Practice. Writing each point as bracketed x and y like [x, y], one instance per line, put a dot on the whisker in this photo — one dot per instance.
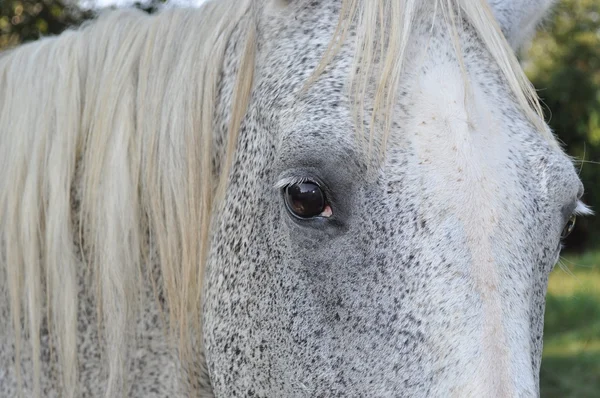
[565, 268]
[575, 264]
[585, 161]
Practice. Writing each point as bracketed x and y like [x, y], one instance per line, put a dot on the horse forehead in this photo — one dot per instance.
[462, 147]
[432, 86]
[466, 135]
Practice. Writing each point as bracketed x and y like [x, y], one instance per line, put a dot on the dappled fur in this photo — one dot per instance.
[125, 178]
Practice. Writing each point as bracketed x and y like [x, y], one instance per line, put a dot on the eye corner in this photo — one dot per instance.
[569, 226]
[576, 209]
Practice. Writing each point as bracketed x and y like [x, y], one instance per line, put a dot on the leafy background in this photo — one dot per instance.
[563, 62]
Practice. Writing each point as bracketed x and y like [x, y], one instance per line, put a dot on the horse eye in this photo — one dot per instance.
[306, 200]
[568, 227]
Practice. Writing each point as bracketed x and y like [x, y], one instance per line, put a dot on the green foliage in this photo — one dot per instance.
[571, 362]
[564, 64]
[25, 20]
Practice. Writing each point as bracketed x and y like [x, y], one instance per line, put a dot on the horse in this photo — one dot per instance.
[279, 198]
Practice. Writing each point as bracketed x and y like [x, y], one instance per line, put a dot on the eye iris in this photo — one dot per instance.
[305, 200]
[569, 227]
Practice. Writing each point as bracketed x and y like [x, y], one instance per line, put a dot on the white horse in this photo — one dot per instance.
[279, 198]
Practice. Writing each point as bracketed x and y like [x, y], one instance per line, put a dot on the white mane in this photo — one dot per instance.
[123, 114]
[125, 111]
[383, 31]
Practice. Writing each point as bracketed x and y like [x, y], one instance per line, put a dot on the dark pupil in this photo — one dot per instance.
[569, 227]
[305, 199]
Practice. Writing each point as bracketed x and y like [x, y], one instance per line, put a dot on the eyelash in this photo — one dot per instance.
[287, 181]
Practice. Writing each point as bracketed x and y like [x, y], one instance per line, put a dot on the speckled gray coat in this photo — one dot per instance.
[428, 279]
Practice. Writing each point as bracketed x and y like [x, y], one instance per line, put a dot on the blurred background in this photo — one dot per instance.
[563, 62]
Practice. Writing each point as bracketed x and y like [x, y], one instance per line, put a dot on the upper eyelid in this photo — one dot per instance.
[287, 181]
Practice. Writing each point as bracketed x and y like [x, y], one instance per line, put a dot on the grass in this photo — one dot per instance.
[571, 362]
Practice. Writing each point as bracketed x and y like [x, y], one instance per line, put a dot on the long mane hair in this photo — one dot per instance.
[105, 159]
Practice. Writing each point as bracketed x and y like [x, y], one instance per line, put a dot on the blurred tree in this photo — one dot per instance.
[564, 64]
[26, 20]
